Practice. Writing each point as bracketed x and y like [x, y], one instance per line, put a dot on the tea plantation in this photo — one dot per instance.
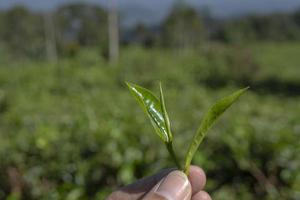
[71, 130]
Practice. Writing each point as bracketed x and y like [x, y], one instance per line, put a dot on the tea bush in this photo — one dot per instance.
[72, 131]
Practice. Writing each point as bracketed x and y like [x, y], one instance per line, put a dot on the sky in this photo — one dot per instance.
[152, 11]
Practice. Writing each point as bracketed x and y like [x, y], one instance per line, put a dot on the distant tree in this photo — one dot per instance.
[236, 31]
[182, 28]
[296, 17]
[273, 27]
[22, 32]
[81, 25]
[2, 23]
[142, 35]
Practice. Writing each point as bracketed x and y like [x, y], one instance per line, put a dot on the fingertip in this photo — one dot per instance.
[197, 178]
[175, 186]
[201, 195]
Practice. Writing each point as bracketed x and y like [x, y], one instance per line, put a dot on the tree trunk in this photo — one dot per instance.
[50, 40]
[113, 32]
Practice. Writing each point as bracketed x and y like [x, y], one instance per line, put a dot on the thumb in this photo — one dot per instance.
[175, 186]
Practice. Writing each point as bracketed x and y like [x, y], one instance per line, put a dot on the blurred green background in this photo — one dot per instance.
[69, 128]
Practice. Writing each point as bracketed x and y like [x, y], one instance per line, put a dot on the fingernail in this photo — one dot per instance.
[175, 186]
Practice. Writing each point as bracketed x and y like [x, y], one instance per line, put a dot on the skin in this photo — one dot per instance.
[145, 189]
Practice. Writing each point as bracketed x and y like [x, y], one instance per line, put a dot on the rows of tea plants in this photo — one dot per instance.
[72, 131]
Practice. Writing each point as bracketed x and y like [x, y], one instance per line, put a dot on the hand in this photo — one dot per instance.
[166, 185]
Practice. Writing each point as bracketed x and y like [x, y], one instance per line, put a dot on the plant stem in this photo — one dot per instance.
[173, 155]
[186, 169]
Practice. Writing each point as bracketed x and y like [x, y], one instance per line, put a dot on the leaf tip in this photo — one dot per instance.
[246, 88]
[242, 91]
[130, 86]
[128, 83]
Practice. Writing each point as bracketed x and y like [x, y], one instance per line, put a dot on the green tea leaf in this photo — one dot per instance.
[168, 128]
[164, 112]
[153, 108]
[209, 118]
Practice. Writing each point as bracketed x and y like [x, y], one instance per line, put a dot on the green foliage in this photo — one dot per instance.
[76, 25]
[155, 109]
[87, 25]
[21, 32]
[164, 111]
[273, 27]
[24, 32]
[183, 28]
[208, 120]
[72, 131]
